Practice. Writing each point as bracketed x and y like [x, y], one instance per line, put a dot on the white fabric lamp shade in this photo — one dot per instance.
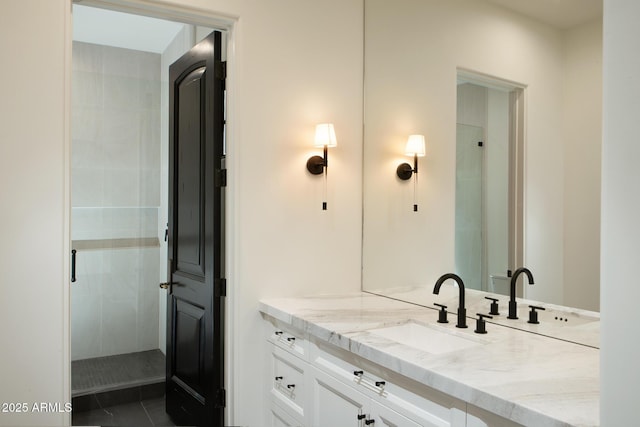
[325, 135]
[415, 146]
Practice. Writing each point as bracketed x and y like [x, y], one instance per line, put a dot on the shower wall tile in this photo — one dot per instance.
[149, 66]
[86, 89]
[86, 313]
[121, 188]
[150, 180]
[123, 277]
[118, 327]
[121, 62]
[121, 126]
[88, 187]
[121, 92]
[149, 93]
[148, 299]
[87, 152]
[86, 57]
[86, 123]
[86, 223]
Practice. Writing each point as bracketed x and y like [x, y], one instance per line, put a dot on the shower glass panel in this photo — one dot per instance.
[468, 236]
[115, 175]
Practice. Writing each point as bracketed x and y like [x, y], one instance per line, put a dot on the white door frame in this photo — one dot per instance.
[193, 16]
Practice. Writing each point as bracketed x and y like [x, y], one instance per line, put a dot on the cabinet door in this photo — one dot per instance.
[336, 404]
[279, 418]
[385, 417]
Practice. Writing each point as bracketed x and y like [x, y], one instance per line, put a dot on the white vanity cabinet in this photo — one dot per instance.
[318, 385]
[345, 372]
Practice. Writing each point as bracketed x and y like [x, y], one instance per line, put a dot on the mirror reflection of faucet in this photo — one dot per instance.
[494, 306]
[513, 306]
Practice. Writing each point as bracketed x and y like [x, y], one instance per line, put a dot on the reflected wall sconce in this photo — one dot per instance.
[415, 147]
[316, 165]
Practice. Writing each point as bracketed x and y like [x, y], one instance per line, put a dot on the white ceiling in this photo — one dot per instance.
[106, 27]
[562, 14]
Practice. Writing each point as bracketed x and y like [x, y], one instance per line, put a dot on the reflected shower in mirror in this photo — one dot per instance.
[486, 244]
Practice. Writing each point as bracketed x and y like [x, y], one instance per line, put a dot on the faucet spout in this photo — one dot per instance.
[513, 308]
[462, 311]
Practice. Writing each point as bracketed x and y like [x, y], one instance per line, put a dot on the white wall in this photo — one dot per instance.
[35, 206]
[582, 157]
[619, 291]
[416, 94]
[296, 63]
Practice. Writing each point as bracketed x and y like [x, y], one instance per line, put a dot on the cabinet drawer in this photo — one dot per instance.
[288, 339]
[424, 405]
[288, 382]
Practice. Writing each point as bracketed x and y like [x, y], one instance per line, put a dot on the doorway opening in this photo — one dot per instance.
[489, 181]
[119, 202]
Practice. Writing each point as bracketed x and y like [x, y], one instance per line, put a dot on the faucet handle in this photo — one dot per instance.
[442, 315]
[481, 324]
[494, 306]
[533, 314]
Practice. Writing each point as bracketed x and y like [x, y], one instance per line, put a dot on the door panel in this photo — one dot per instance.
[195, 364]
[190, 173]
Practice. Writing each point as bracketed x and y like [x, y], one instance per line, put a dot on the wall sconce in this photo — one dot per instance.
[325, 138]
[415, 147]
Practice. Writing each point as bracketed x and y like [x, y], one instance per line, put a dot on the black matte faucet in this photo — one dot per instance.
[462, 311]
[513, 307]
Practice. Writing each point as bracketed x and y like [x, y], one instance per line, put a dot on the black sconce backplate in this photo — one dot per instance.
[404, 171]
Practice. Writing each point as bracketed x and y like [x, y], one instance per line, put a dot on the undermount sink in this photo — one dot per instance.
[429, 338]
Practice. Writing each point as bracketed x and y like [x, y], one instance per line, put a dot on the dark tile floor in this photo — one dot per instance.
[145, 413]
[121, 390]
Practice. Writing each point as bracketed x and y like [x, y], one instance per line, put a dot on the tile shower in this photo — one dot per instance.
[115, 180]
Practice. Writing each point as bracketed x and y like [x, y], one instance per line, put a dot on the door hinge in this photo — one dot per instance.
[221, 178]
[220, 287]
[221, 70]
[221, 398]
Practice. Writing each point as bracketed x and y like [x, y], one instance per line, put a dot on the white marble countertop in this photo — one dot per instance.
[528, 378]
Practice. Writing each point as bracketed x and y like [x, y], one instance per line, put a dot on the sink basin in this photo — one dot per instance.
[429, 338]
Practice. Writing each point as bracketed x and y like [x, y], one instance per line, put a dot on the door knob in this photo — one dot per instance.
[165, 285]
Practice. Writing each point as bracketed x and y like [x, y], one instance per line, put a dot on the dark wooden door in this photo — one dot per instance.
[195, 392]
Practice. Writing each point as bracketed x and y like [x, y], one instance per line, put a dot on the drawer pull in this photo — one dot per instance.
[380, 383]
[362, 416]
[291, 386]
[358, 373]
[279, 333]
[279, 378]
[367, 422]
[290, 339]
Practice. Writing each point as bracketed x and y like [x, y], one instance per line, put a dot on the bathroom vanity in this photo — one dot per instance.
[367, 360]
